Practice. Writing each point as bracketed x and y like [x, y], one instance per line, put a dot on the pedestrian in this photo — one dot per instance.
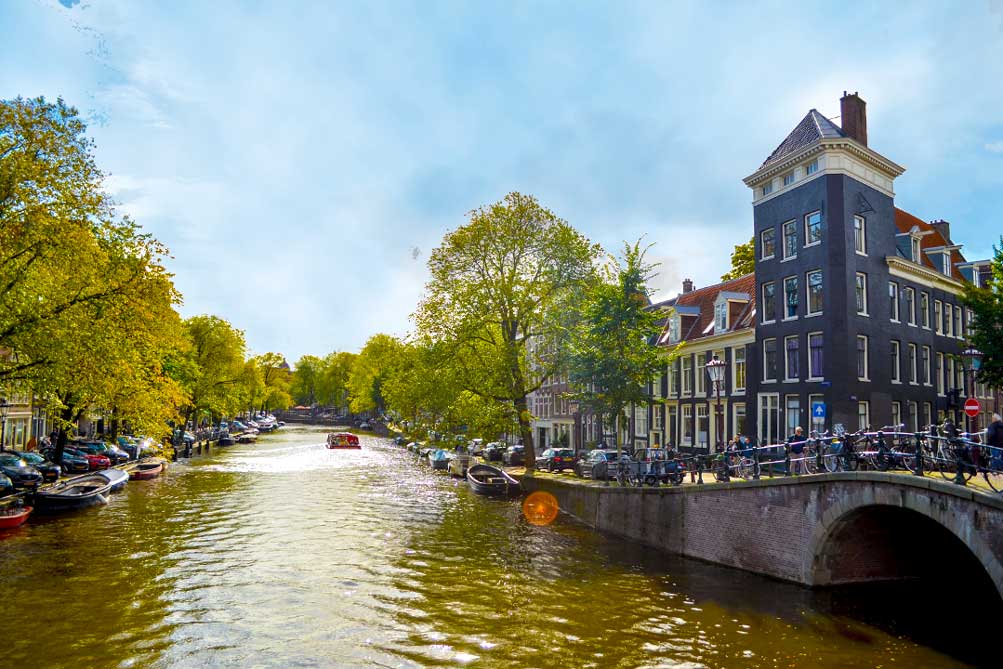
[948, 429]
[994, 434]
[795, 449]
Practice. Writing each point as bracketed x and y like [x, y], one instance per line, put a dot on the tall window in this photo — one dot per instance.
[790, 232]
[913, 377]
[700, 372]
[687, 426]
[913, 417]
[948, 319]
[896, 363]
[925, 365]
[640, 420]
[703, 436]
[909, 296]
[815, 355]
[859, 235]
[767, 188]
[656, 417]
[791, 297]
[721, 316]
[938, 371]
[769, 418]
[924, 309]
[937, 322]
[673, 378]
[958, 332]
[893, 296]
[767, 243]
[673, 426]
[769, 359]
[792, 407]
[788, 178]
[927, 413]
[813, 228]
[861, 293]
[811, 167]
[769, 302]
[863, 415]
[815, 292]
[862, 366]
[739, 418]
[687, 367]
[738, 360]
[791, 368]
[896, 414]
[914, 247]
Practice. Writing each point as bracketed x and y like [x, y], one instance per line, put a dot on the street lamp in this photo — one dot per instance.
[971, 358]
[715, 370]
[4, 409]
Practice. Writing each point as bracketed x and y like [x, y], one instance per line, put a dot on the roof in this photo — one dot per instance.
[702, 302]
[812, 128]
[905, 222]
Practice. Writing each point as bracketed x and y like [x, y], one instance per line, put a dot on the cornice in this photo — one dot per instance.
[905, 269]
[865, 155]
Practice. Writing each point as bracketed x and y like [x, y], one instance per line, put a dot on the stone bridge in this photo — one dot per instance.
[820, 530]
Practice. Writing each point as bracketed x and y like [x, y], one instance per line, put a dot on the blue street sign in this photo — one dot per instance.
[818, 409]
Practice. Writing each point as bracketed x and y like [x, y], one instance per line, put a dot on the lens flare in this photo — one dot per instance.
[540, 508]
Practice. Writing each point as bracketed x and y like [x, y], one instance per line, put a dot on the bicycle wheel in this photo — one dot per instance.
[945, 461]
[851, 462]
[810, 461]
[993, 471]
[831, 459]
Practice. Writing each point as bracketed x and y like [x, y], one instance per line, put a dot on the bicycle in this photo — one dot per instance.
[841, 454]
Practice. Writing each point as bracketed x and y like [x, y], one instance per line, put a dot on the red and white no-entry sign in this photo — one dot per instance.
[972, 407]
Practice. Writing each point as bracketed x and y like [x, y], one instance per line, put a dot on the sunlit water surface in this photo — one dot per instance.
[286, 554]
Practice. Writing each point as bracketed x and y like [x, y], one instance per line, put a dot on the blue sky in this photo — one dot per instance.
[302, 159]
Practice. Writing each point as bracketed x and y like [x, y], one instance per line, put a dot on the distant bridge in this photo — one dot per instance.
[818, 530]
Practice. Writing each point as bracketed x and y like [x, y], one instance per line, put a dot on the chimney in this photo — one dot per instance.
[944, 228]
[853, 116]
[687, 285]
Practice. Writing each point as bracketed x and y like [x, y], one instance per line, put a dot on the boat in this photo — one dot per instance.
[342, 440]
[77, 493]
[117, 478]
[488, 480]
[14, 516]
[438, 459]
[226, 440]
[247, 438]
[144, 471]
[459, 464]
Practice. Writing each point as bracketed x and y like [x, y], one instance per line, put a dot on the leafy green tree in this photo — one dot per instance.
[505, 279]
[987, 332]
[306, 380]
[369, 371]
[219, 379]
[611, 358]
[332, 389]
[268, 381]
[743, 261]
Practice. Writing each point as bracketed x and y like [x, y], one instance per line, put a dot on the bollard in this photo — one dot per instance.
[726, 467]
[699, 470]
[787, 459]
[755, 463]
[918, 471]
[959, 476]
[820, 455]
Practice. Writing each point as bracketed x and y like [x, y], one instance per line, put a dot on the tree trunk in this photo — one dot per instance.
[526, 432]
[66, 414]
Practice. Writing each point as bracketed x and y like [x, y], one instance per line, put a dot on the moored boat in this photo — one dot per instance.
[14, 516]
[77, 493]
[144, 471]
[459, 464]
[438, 459]
[116, 477]
[342, 440]
[226, 440]
[488, 480]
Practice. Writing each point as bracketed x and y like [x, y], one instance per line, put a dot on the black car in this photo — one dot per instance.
[50, 471]
[515, 455]
[493, 452]
[71, 463]
[21, 474]
[113, 453]
[556, 459]
[597, 463]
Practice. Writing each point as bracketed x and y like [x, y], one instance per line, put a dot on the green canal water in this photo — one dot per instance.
[285, 554]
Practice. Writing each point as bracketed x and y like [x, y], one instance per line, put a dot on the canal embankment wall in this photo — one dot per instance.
[822, 530]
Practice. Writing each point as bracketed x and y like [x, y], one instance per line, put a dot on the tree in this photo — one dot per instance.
[370, 370]
[743, 261]
[306, 379]
[267, 383]
[218, 378]
[332, 389]
[611, 355]
[986, 334]
[507, 278]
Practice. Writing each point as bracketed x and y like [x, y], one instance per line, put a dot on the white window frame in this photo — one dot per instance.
[766, 188]
[864, 410]
[820, 220]
[811, 377]
[790, 379]
[762, 245]
[927, 376]
[863, 284]
[867, 355]
[896, 351]
[939, 373]
[797, 297]
[913, 360]
[959, 328]
[914, 249]
[700, 375]
[766, 378]
[924, 307]
[762, 292]
[948, 319]
[811, 168]
[807, 291]
[860, 235]
[896, 415]
[686, 420]
[686, 387]
[909, 297]
[793, 225]
[893, 299]
[789, 179]
[938, 317]
[736, 353]
[704, 414]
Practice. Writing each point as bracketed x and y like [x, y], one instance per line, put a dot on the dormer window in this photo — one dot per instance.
[947, 263]
[914, 242]
[721, 316]
[674, 329]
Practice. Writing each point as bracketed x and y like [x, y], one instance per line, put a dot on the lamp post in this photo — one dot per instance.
[971, 358]
[715, 370]
[4, 409]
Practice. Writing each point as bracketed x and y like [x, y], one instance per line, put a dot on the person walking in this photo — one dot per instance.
[994, 434]
[795, 451]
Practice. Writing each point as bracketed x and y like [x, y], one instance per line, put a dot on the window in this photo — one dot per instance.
[811, 167]
[893, 296]
[913, 416]
[721, 316]
[767, 188]
[687, 365]
[924, 309]
[896, 415]
[958, 332]
[769, 360]
[790, 233]
[792, 406]
[703, 436]
[927, 413]
[769, 302]
[946, 255]
[950, 373]
[859, 235]
[674, 328]
[673, 378]
[738, 363]
[896, 363]
[738, 422]
[687, 426]
[861, 292]
[769, 418]
[913, 377]
[948, 319]
[790, 297]
[656, 417]
[815, 355]
[939, 373]
[914, 247]
[788, 178]
[862, 366]
[937, 322]
[767, 243]
[640, 421]
[813, 228]
[863, 415]
[673, 426]
[791, 369]
[909, 295]
[925, 364]
[700, 372]
[814, 292]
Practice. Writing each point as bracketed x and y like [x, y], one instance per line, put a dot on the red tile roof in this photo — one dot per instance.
[704, 298]
[905, 222]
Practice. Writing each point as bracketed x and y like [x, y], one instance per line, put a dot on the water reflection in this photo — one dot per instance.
[285, 554]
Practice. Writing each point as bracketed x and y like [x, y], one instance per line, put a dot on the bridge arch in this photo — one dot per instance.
[862, 539]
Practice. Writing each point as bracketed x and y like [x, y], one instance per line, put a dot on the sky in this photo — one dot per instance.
[301, 160]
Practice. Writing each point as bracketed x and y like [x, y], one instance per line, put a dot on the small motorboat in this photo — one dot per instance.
[459, 464]
[343, 440]
[438, 459]
[77, 493]
[226, 440]
[488, 480]
[117, 478]
[13, 516]
[247, 438]
[144, 471]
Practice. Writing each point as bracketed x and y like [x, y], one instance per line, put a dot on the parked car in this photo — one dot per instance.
[514, 455]
[494, 451]
[94, 460]
[556, 459]
[597, 464]
[50, 471]
[6, 487]
[71, 462]
[20, 473]
[476, 446]
[115, 454]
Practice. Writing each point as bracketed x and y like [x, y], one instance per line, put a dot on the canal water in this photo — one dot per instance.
[285, 554]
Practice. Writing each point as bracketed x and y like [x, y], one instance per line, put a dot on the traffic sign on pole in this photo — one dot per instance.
[818, 410]
[972, 407]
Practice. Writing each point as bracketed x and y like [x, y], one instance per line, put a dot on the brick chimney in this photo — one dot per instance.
[853, 117]
[944, 228]
[687, 285]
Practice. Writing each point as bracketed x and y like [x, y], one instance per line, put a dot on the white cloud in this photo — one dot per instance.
[995, 147]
